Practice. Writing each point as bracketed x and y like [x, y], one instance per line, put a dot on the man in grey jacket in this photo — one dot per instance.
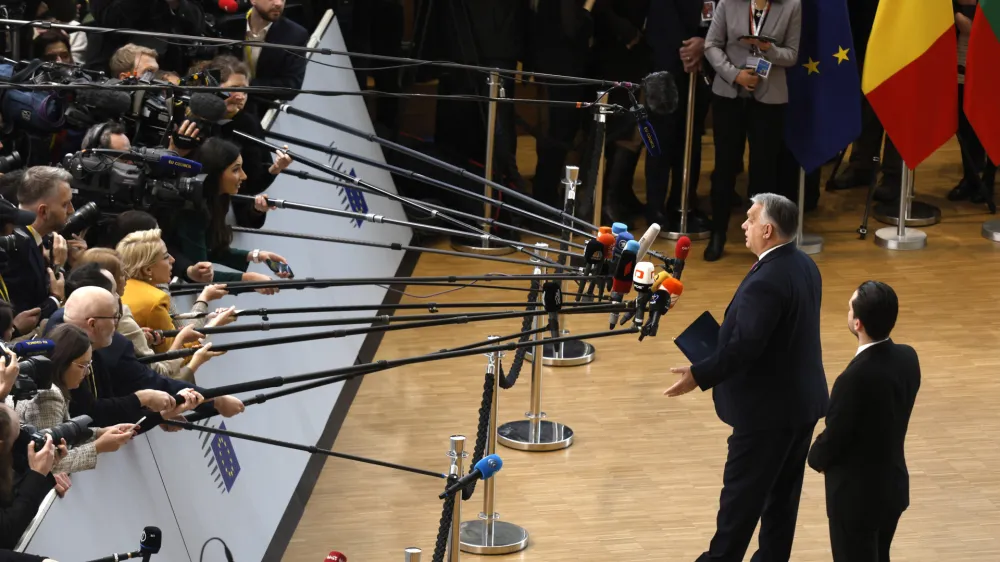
[749, 44]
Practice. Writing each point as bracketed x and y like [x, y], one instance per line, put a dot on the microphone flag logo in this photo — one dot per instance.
[227, 466]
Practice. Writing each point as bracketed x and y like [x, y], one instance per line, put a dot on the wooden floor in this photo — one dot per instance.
[642, 480]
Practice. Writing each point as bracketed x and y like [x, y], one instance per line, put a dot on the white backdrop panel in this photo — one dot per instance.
[244, 509]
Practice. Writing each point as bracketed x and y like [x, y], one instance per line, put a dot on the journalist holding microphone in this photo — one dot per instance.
[768, 384]
[749, 44]
[202, 233]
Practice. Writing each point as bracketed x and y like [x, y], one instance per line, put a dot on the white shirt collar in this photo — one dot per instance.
[768, 251]
[867, 345]
[262, 33]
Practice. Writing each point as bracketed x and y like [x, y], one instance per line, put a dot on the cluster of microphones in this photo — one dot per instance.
[615, 260]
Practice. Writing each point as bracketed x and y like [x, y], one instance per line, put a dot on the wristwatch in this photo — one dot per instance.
[255, 256]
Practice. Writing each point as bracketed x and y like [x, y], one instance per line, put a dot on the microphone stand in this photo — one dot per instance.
[262, 398]
[459, 319]
[421, 178]
[117, 557]
[433, 161]
[488, 237]
[373, 218]
[268, 326]
[443, 209]
[430, 307]
[193, 288]
[389, 246]
[349, 372]
[307, 448]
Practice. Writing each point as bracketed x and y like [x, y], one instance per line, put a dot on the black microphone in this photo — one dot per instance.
[149, 544]
[657, 306]
[484, 470]
[662, 96]
[593, 255]
[209, 107]
[552, 300]
[107, 102]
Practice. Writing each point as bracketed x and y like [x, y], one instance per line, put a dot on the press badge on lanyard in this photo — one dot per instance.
[756, 61]
[707, 11]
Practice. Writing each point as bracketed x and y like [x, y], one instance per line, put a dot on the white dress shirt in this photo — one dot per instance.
[867, 345]
[769, 250]
[254, 52]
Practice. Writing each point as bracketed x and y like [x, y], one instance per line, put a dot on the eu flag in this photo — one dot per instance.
[824, 87]
[225, 458]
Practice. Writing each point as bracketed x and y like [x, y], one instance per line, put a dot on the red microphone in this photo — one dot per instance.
[334, 556]
[231, 7]
[680, 254]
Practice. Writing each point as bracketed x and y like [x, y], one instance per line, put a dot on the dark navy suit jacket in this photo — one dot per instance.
[118, 375]
[767, 371]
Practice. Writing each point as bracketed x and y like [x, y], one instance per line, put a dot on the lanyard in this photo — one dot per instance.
[755, 29]
[4, 293]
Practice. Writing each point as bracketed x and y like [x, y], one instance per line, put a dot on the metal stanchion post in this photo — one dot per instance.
[489, 535]
[601, 118]
[917, 213]
[411, 554]
[688, 151]
[457, 454]
[901, 237]
[808, 243]
[573, 352]
[535, 433]
[496, 91]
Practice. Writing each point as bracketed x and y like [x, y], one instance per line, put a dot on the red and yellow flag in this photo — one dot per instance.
[911, 75]
[982, 77]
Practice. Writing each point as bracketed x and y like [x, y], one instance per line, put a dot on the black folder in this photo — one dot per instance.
[699, 340]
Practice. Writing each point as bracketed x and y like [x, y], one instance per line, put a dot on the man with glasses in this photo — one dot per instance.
[119, 387]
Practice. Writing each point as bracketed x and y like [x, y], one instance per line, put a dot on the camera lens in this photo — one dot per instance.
[10, 162]
[84, 218]
[74, 431]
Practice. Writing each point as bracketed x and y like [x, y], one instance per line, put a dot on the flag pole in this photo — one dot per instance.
[808, 243]
[901, 237]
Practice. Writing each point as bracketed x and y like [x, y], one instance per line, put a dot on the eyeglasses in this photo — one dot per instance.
[85, 366]
[116, 317]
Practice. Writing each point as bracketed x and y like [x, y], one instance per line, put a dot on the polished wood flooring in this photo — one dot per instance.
[642, 480]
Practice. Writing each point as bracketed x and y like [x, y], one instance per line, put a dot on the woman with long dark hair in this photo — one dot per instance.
[202, 234]
[70, 361]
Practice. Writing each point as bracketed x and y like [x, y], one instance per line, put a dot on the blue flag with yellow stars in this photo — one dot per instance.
[824, 87]
[225, 458]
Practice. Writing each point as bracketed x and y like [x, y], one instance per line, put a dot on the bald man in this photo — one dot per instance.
[118, 387]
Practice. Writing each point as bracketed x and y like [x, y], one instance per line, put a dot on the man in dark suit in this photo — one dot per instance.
[271, 67]
[34, 275]
[861, 450]
[675, 32]
[768, 384]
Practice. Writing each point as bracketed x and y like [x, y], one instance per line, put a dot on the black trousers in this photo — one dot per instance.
[665, 173]
[973, 154]
[552, 148]
[737, 121]
[762, 482]
[856, 542]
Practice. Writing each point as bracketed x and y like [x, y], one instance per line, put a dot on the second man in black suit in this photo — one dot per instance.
[768, 384]
[861, 450]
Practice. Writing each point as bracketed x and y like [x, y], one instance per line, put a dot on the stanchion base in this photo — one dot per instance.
[889, 239]
[566, 354]
[921, 214]
[523, 435]
[811, 243]
[491, 249]
[991, 230]
[505, 539]
[701, 235]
